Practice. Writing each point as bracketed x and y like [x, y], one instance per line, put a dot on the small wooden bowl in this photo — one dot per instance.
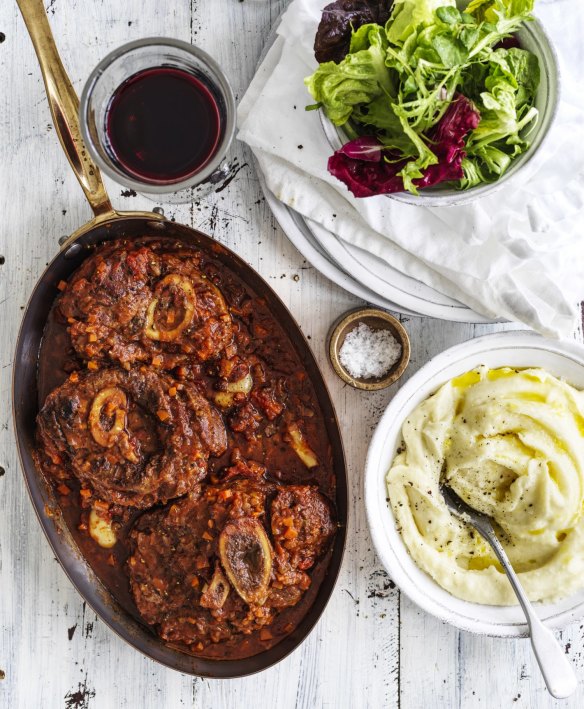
[376, 320]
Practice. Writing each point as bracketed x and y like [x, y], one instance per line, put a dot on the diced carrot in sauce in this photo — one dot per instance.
[70, 321]
[85, 493]
[62, 285]
[63, 489]
[163, 415]
[92, 365]
[172, 391]
[207, 536]
[290, 533]
[74, 377]
[158, 584]
[195, 581]
[92, 337]
[156, 361]
[265, 634]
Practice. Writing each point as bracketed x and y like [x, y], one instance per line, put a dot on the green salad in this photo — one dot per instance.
[425, 92]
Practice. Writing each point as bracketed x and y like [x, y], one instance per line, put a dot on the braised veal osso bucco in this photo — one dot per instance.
[186, 446]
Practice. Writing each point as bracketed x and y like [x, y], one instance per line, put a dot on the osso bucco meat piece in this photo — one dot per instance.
[136, 438]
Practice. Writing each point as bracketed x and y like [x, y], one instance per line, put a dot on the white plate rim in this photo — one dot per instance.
[328, 266]
[287, 219]
[340, 251]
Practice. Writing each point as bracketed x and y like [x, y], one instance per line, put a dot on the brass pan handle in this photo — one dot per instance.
[64, 105]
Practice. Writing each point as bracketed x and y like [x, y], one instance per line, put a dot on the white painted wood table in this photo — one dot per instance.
[372, 648]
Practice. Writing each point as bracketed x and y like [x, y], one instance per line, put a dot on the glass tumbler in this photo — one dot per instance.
[127, 65]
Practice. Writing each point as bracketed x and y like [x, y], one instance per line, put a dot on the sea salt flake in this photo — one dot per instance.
[368, 353]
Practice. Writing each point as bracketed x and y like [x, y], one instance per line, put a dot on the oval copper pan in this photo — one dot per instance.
[109, 224]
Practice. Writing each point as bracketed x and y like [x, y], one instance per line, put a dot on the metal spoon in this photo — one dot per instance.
[555, 668]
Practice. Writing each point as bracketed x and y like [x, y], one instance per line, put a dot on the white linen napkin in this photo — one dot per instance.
[517, 254]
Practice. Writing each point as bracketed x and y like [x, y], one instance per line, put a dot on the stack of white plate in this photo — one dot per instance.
[362, 273]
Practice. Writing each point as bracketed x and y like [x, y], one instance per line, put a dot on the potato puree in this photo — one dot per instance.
[511, 444]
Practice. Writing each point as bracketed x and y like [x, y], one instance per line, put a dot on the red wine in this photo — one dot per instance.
[163, 124]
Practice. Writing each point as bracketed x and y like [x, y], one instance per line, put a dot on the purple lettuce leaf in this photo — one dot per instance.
[367, 148]
[338, 21]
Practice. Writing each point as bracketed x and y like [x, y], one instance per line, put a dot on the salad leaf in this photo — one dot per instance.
[368, 168]
[448, 137]
[506, 111]
[510, 85]
[358, 79]
[339, 20]
[378, 113]
[451, 50]
[497, 20]
[366, 148]
[408, 15]
[365, 178]
[524, 67]
[473, 81]
[493, 10]
[448, 14]
[472, 175]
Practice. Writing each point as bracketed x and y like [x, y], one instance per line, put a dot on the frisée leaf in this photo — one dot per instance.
[409, 15]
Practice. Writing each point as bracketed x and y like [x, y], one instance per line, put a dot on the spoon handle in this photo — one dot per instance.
[557, 671]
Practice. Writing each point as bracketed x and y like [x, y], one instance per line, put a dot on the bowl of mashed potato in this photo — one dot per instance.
[501, 420]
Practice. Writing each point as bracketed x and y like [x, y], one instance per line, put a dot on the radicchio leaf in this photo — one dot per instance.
[448, 137]
[359, 164]
[367, 148]
[338, 21]
[366, 178]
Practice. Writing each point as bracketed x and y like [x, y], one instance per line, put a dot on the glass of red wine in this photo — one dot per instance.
[158, 116]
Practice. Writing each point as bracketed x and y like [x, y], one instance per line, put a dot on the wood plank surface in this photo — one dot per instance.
[372, 648]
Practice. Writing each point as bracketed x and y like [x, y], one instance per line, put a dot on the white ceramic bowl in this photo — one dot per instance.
[513, 349]
[532, 36]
